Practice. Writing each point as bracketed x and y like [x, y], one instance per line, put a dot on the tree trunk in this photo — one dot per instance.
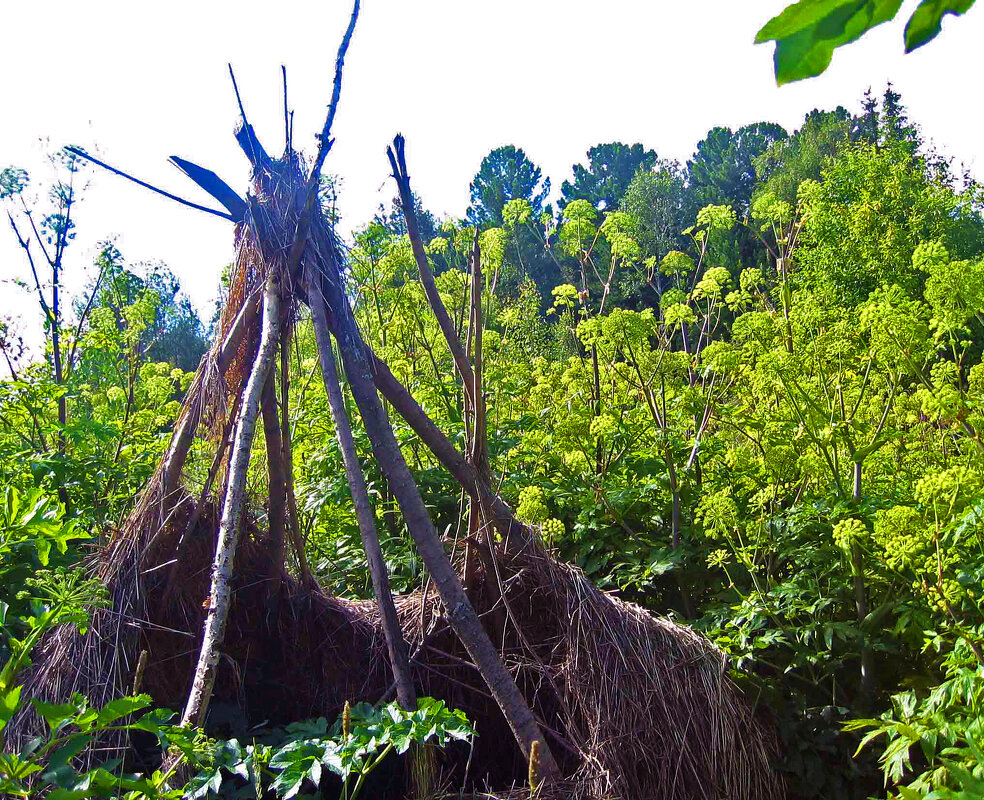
[395, 643]
[460, 612]
[220, 594]
[276, 471]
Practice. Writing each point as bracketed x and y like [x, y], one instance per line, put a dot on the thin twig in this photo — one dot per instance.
[286, 112]
[325, 136]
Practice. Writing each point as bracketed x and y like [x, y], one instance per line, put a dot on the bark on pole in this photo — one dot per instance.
[515, 534]
[473, 472]
[276, 471]
[395, 643]
[184, 433]
[399, 164]
[220, 594]
[460, 612]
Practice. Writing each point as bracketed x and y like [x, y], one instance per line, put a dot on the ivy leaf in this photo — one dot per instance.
[926, 21]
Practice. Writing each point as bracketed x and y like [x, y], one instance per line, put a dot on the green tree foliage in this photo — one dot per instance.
[807, 33]
[90, 420]
[722, 170]
[604, 181]
[393, 219]
[655, 200]
[506, 174]
[172, 330]
[786, 163]
[862, 222]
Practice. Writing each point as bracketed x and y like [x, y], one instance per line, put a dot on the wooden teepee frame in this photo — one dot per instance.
[288, 254]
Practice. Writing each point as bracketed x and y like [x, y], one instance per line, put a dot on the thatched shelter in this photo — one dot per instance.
[625, 704]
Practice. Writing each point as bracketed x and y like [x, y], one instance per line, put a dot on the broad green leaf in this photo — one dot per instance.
[59, 771]
[202, 783]
[807, 33]
[55, 715]
[289, 781]
[807, 52]
[9, 704]
[798, 17]
[926, 21]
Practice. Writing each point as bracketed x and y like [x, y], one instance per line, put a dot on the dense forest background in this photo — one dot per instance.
[745, 391]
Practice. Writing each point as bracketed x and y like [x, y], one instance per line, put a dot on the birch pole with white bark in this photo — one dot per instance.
[230, 526]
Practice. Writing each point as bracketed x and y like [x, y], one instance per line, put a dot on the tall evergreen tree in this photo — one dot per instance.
[868, 121]
[722, 170]
[789, 162]
[894, 122]
[506, 174]
[611, 168]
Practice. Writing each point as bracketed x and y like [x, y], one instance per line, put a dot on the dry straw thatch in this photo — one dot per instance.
[638, 707]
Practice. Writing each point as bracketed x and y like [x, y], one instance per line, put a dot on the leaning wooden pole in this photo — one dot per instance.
[398, 162]
[220, 593]
[460, 612]
[395, 643]
[184, 432]
[276, 472]
[515, 534]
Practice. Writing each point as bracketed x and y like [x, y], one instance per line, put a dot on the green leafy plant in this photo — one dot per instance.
[304, 752]
[934, 743]
[46, 763]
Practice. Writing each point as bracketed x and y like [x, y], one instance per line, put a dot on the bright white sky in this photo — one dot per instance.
[137, 83]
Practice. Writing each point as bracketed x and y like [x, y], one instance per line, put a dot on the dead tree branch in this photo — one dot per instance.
[122, 174]
[395, 642]
[398, 161]
[220, 594]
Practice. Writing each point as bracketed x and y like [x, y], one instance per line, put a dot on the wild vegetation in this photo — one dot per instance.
[745, 392]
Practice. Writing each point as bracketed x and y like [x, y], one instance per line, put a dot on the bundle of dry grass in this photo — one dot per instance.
[647, 702]
[636, 706]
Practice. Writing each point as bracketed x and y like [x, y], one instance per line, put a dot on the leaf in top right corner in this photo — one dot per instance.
[926, 21]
